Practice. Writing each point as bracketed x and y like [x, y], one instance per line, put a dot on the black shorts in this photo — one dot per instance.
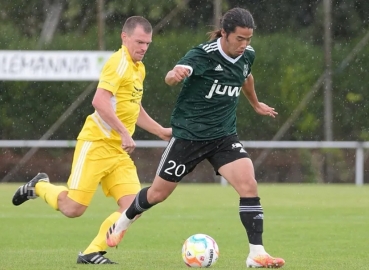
[181, 156]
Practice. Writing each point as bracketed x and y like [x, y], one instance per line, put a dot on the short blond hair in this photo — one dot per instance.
[132, 22]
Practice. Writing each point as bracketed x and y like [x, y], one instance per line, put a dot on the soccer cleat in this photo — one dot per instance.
[118, 229]
[94, 258]
[264, 261]
[27, 191]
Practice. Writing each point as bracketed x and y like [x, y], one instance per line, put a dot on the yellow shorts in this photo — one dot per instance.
[99, 162]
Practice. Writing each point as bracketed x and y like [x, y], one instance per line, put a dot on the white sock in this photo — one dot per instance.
[122, 223]
[256, 250]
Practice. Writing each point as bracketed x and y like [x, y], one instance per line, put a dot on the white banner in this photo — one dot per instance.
[52, 65]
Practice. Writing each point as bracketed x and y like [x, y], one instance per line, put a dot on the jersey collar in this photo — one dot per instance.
[230, 59]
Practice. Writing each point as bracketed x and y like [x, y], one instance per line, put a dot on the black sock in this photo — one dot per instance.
[251, 214]
[139, 205]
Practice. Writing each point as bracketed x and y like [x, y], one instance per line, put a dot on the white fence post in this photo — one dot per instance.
[223, 181]
[359, 165]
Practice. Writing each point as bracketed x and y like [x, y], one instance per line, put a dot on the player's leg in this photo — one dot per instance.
[57, 197]
[83, 184]
[232, 162]
[173, 166]
[54, 195]
[150, 196]
[94, 253]
[122, 184]
[84, 179]
[143, 201]
[31, 190]
[119, 180]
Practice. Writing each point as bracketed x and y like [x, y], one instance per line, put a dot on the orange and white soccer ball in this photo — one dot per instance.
[200, 251]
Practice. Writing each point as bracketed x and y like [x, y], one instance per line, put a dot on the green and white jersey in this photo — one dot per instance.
[206, 105]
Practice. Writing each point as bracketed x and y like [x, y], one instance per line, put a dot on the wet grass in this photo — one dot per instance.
[310, 226]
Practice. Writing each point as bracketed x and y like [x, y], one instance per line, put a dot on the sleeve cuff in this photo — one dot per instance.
[188, 67]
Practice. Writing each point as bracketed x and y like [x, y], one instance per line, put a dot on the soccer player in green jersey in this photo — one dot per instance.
[204, 127]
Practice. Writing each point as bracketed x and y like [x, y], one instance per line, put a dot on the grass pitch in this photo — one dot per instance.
[321, 227]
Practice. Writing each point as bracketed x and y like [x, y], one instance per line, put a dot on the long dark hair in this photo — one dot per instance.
[231, 19]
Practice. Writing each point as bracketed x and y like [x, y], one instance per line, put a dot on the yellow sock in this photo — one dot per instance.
[99, 243]
[49, 193]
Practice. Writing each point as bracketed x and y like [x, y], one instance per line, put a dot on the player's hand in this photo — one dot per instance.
[165, 134]
[128, 144]
[181, 72]
[264, 109]
[176, 75]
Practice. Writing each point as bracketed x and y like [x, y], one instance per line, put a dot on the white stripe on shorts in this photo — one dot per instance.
[165, 154]
[76, 174]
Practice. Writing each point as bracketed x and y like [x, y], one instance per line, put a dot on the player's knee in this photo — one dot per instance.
[247, 188]
[73, 213]
[253, 184]
[70, 208]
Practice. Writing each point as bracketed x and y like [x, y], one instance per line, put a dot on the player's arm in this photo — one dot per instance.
[191, 63]
[145, 122]
[101, 103]
[248, 88]
[111, 78]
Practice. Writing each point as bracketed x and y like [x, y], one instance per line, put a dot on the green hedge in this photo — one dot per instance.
[285, 70]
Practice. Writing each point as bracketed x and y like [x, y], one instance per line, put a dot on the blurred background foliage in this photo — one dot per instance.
[289, 59]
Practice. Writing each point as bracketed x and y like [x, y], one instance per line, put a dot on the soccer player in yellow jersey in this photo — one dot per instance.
[105, 141]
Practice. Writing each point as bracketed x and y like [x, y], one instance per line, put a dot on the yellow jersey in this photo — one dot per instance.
[124, 79]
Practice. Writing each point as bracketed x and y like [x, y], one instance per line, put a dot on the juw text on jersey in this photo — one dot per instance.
[223, 90]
